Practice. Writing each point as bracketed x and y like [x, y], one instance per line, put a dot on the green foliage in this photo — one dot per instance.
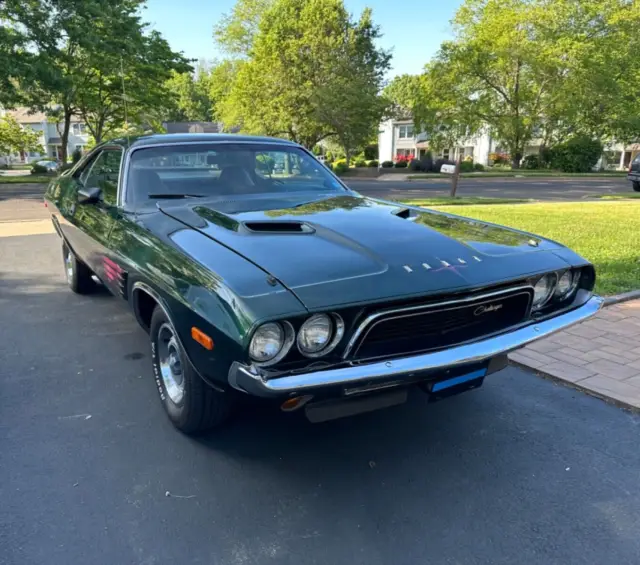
[317, 150]
[306, 71]
[466, 167]
[340, 167]
[415, 165]
[15, 138]
[371, 151]
[387, 164]
[76, 155]
[360, 163]
[372, 163]
[401, 164]
[531, 162]
[478, 167]
[265, 163]
[192, 96]
[577, 155]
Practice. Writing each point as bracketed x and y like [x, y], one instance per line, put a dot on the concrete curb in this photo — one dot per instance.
[576, 386]
[624, 297]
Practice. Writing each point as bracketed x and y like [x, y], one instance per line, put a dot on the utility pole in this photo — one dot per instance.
[455, 177]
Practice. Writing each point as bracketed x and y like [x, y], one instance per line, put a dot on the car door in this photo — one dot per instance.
[95, 220]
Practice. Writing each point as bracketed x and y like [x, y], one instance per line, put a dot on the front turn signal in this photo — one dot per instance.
[202, 338]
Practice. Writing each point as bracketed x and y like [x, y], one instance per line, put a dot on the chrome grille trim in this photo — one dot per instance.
[407, 310]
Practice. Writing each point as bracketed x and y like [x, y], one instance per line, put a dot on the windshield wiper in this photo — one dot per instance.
[176, 196]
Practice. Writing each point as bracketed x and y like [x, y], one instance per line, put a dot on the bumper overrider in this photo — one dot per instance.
[251, 380]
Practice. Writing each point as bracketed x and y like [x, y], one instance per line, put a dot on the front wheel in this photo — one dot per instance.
[191, 404]
[636, 185]
[77, 273]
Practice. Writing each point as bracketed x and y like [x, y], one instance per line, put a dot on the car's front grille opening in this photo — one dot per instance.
[441, 326]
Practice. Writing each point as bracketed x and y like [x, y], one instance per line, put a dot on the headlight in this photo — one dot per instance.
[567, 284]
[315, 334]
[542, 290]
[320, 334]
[271, 342]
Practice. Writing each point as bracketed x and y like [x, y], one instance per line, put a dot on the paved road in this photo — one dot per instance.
[24, 201]
[521, 471]
[537, 188]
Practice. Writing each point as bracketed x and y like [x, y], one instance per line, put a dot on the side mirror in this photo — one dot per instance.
[89, 195]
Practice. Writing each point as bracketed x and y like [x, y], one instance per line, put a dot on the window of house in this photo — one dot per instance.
[405, 153]
[469, 151]
[445, 154]
[79, 129]
[405, 132]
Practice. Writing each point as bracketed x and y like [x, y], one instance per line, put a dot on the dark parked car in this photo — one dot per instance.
[288, 285]
[634, 173]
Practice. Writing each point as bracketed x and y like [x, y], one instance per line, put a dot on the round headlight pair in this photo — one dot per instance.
[317, 336]
[552, 285]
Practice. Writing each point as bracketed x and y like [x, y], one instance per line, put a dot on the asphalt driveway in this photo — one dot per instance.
[521, 471]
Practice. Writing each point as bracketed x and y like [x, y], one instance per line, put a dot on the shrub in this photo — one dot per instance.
[317, 150]
[403, 158]
[415, 165]
[577, 155]
[387, 164]
[76, 156]
[466, 167]
[478, 167]
[401, 164]
[360, 163]
[371, 152]
[500, 158]
[426, 162]
[66, 167]
[340, 167]
[439, 162]
[546, 156]
[329, 157]
[373, 163]
[531, 162]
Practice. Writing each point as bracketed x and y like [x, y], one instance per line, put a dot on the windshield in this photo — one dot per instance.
[224, 169]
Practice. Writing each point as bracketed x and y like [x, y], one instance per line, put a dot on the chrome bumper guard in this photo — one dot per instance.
[250, 380]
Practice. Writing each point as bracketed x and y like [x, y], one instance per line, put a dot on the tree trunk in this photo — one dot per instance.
[64, 138]
[454, 179]
[515, 159]
[347, 156]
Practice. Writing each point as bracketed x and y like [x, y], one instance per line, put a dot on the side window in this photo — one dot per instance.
[103, 172]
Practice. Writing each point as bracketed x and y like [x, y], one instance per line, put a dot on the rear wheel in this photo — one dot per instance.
[77, 273]
[191, 404]
[636, 185]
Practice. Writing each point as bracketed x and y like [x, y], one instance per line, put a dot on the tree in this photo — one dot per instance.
[236, 31]
[16, 139]
[192, 95]
[529, 69]
[79, 49]
[297, 63]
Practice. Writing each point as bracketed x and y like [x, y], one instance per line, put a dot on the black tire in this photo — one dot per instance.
[636, 185]
[77, 273]
[200, 407]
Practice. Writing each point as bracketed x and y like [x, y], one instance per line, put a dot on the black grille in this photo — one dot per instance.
[443, 326]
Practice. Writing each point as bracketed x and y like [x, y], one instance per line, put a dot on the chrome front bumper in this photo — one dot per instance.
[250, 380]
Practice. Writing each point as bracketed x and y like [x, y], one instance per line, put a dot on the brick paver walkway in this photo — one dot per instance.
[601, 355]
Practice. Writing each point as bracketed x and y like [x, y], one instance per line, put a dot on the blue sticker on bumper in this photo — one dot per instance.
[458, 380]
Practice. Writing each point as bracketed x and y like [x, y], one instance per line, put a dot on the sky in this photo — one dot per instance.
[412, 32]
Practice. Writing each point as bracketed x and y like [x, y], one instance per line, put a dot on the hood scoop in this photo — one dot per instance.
[275, 227]
[406, 214]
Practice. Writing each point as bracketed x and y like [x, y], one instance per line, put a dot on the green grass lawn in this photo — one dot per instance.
[26, 179]
[464, 201]
[605, 233]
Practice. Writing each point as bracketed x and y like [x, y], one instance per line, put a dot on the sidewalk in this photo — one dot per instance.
[601, 355]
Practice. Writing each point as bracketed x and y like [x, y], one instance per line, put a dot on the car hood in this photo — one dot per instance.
[351, 249]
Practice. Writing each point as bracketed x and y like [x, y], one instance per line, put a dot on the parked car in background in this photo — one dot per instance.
[634, 173]
[292, 287]
[51, 166]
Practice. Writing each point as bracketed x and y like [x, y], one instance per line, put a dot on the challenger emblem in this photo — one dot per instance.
[487, 309]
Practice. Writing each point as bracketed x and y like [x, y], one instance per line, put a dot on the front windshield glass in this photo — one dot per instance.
[225, 169]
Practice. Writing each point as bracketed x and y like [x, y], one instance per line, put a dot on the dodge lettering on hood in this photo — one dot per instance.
[255, 271]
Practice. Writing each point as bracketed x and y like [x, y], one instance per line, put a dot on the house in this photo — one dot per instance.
[399, 138]
[50, 136]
